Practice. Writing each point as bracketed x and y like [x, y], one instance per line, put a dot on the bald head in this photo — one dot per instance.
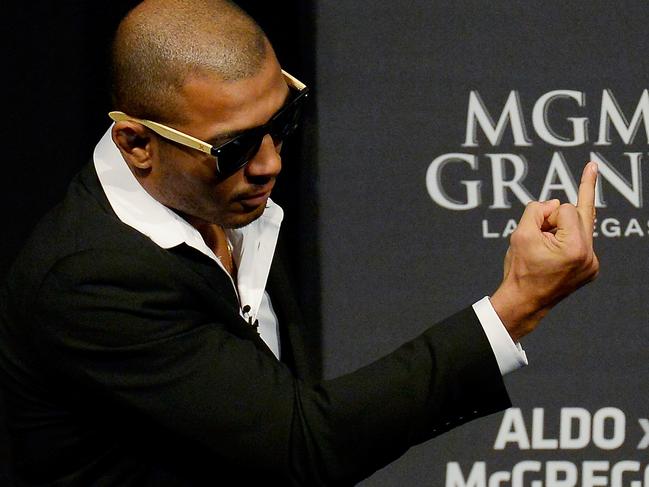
[162, 42]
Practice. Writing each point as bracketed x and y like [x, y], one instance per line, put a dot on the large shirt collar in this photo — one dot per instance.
[253, 245]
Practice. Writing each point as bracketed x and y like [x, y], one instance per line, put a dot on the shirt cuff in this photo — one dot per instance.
[509, 355]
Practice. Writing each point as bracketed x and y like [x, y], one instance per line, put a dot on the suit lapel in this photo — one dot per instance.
[217, 288]
[220, 289]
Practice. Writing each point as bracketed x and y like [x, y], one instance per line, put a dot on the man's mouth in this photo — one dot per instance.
[257, 198]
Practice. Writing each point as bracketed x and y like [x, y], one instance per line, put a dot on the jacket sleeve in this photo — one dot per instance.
[140, 338]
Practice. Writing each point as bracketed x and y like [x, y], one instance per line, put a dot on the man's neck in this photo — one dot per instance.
[216, 239]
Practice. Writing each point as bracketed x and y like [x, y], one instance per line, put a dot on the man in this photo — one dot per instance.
[148, 335]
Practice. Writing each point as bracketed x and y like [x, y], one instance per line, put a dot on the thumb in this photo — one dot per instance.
[536, 214]
[553, 215]
[549, 207]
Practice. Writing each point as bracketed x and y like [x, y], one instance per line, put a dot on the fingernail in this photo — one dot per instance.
[551, 202]
[593, 166]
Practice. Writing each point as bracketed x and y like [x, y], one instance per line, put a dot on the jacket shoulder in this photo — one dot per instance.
[81, 230]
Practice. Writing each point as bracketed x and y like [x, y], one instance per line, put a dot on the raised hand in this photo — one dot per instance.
[550, 256]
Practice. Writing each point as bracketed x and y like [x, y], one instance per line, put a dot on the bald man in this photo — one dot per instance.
[148, 335]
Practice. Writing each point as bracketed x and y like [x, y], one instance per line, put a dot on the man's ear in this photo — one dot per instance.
[135, 143]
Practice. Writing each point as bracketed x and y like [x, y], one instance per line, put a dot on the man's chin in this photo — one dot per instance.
[241, 220]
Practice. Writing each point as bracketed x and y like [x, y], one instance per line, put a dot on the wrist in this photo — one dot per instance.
[518, 311]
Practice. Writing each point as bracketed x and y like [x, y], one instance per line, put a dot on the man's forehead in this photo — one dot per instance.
[210, 101]
[207, 89]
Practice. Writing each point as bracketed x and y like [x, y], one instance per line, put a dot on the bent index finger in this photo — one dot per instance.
[586, 196]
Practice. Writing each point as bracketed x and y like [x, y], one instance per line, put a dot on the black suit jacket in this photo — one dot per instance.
[127, 364]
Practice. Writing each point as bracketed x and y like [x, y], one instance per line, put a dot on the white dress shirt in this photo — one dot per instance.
[253, 247]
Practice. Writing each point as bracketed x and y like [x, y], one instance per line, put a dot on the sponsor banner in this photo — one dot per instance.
[507, 172]
[437, 123]
[527, 440]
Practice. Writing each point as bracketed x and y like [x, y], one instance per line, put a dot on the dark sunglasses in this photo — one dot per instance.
[236, 152]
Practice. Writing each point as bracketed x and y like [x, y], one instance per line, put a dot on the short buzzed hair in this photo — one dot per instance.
[161, 42]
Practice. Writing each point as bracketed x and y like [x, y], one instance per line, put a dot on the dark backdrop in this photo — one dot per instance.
[394, 84]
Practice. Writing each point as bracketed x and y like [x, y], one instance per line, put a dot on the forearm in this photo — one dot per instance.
[358, 423]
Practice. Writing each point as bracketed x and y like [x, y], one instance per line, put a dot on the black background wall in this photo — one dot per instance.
[394, 85]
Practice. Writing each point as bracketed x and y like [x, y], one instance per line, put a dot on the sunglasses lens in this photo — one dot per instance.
[286, 122]
[238, 151]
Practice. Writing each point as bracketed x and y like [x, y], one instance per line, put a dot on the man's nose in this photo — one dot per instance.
[267, 162]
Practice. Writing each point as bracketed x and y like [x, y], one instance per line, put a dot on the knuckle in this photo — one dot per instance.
[592, 274]
[578, 253]
[518, 237]
[566, 208]
[532, 205]
[595, 265]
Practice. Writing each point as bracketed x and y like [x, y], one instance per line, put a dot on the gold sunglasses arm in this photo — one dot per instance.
[166, 132]
[180, 137]
[293, 81]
